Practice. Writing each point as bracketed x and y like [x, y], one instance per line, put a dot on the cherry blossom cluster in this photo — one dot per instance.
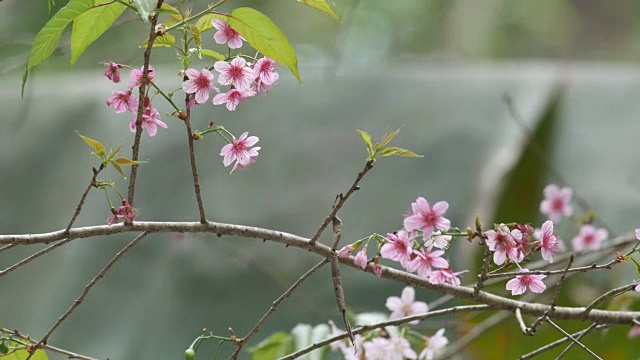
[393, 343]
[125, 213]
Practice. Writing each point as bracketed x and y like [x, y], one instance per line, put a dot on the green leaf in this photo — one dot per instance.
[116, 151]
[386, 141]
[396, 151]
[118, 167]
[23, 354]
[95, 144]
[48, 37]
[320, 5]
[90, 25]
[195, 33]
[145, 7]
[169, 10]
[273, 347]
[261, 33]
[125, 161]
[367, 139]
[204, 23]
[212, 54]
[166, 40]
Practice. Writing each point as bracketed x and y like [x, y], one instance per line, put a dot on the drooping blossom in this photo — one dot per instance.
[521, 282]
[235, 73]
[438, 240]
[112, 73]
[556, 202]
[547, 241]
[265, 73]
[125, 212]
[522, 244]
[136, 76]
[241, 150]
[424, 260]
[504, 243]
[199, 83]
[122, 101]
[442, 276]
[377, 269]
[426, 218]
[150, 121]
[233, 97]
[405, 305]
[589, 238]
[398, 248]
[226, 34]
[345, 252]
[435, 344]
[361, 258]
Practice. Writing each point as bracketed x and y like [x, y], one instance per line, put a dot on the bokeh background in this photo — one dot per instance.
[441, 69]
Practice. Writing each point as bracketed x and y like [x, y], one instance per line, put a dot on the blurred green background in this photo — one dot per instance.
[440, 68]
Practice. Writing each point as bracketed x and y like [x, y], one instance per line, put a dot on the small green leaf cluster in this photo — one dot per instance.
[381, 148]
[110, 158]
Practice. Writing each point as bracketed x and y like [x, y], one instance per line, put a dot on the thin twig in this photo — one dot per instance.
[337, 279]
[482, 277]
[86, 290]
[29, 258]
[574, 340]
[92, 184]
[577, 337]
[67, 353]
[553, 304]
[606, 266]
[343, 198]
[135, 148]
[7, 247]
[559, 342]
[396, 322]
[523, 326]
[611, 293]
[337, 232]
[192, 158]
[242, 342]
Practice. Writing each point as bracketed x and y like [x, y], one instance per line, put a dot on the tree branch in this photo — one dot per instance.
[67, 353]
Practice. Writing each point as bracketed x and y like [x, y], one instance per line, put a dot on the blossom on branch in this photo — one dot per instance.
[226, 34]
[426, 218]
[150, 120]
[445, 276]
[136, 76]
[265, 74]
[519, 285]
[434, 344]
[112, 73]
[504, 243]
[589, 238]
[361, 258]
[425, 259]
[241, 151]
[556, 202]
[199, 83]
[398, 248]
[122, 101]
[547, 241]
[236, 73]
[232, 98]
[405, 305]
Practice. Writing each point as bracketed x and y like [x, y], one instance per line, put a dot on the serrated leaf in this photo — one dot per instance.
[195, 33]
[166, 40]
[396, 151]
[117, 167]
[169, 10]
[48, 37]
[212, 54]
[204, 23]
[261, 33]
[320, 5]
[125, 161]
[145, 7]
[90, 25]
[273, 347]
[95, 144]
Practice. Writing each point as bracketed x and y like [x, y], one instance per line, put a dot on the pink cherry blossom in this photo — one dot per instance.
[125, 212]
[424, 260]
[638, 234]
[398, 248]
[435, 344]
[136, 76]
[236, 73]
[519, 285]
[199, 83]
[345, 252]
[349, 353]
[504, 243]
[405, 305]
[547, 241]
[589, 238]
[122, 101]
[361, 258]
[232, 98]
[150, 121]
[112, 73]
[241, 151]
[556, 202]
[393, 348]
[265, 72]
[426, 218]
[438, 240]
[226, 34]
[443, 276]
[377, 269]
[637, 287]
